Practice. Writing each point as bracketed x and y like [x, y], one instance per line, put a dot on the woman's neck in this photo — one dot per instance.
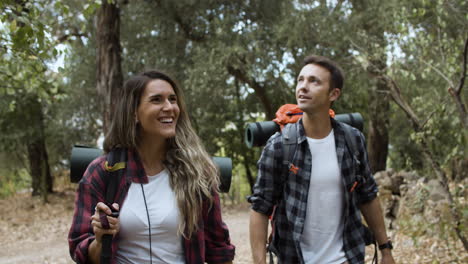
[152, 154]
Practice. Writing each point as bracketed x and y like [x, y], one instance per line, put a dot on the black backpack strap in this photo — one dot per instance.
[289, 143]
[115, 165]
[350, 139]
[116, 162]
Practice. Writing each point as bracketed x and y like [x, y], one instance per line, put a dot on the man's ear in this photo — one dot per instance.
[334, 94]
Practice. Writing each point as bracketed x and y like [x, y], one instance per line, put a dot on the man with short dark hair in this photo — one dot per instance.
[319, 194]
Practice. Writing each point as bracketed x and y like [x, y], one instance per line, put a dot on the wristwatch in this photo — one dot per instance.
[388, 245]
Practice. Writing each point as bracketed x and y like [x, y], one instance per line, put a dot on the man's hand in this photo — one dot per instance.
[374, 217]
[387, 257]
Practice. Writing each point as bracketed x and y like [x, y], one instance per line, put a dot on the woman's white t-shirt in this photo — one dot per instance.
[133, 238]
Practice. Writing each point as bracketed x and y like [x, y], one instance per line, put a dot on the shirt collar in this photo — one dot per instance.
[301, 132]
[135, 170]
[337, 130]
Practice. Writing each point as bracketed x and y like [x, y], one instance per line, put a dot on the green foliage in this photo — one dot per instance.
[200, 42]
[29, 48]
[13, 180]
[26, 48]
[432, 40]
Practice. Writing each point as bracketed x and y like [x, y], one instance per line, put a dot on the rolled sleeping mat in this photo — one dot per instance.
[258, 133]
[82, 156]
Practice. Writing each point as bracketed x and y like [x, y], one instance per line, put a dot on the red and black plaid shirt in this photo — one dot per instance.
[211, 243]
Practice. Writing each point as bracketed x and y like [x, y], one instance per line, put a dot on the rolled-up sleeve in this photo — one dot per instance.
[217, 240]
[265, 191]
[368, 190]
[81, 233]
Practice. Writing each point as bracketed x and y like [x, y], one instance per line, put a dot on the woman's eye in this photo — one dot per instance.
[173, 99]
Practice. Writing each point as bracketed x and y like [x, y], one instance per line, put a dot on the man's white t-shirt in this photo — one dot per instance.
[322, 237]
[133, 238]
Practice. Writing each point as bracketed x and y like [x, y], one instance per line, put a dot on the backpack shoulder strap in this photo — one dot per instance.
[289, 143]
[115, 165]
[350, 140]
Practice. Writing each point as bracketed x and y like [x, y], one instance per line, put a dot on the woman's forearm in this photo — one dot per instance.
[94, 252]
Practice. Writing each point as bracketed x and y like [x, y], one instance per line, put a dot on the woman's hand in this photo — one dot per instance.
[98, 221]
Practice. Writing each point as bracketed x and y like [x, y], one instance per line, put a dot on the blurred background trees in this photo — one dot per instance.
[63, 62]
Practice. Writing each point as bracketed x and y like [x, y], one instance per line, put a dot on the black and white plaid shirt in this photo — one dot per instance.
[277, 185]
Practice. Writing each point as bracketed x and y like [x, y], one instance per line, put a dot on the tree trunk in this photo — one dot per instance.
[42, 182]
[246, 153]
[249, 175]
[109, 69]
[379, 108]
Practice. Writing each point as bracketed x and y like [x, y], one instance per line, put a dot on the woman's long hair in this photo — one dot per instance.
[193, 174]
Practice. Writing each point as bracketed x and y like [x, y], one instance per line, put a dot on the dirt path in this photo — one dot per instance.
[32, 232]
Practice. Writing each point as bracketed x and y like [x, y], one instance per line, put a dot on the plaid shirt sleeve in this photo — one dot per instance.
[87, 196]
[265, 194]
[368, 190]
[217, 241]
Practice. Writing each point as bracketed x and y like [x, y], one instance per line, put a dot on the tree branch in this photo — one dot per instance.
[395, 92]
[65, 37]
[259, 89]
[441, 175]
[440, 73]
[463, 74]
[337, 7]
[456, 92]
[187, 29]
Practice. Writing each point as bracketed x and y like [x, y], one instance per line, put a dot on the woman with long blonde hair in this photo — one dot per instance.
[168, 196]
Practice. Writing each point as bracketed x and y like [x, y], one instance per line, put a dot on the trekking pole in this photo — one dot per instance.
[106, 249]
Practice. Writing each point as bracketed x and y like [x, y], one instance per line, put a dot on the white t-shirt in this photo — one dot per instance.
[133, 238]
[322, 237]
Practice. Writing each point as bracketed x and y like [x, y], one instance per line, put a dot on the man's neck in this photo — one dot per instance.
[317, 125]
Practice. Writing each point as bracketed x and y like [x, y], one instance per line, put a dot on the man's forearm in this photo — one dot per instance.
[374, 218]
[258, 236]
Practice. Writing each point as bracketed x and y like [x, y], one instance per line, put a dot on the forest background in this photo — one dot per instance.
[62, 63]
